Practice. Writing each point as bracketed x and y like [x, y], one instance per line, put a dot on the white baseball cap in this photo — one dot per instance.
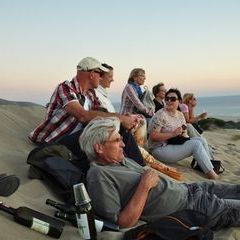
[89, 63]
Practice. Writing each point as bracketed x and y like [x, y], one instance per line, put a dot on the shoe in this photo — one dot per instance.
[8, 184]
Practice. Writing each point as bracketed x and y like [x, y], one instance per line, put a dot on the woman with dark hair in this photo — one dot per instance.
[169, 124]
[159, 92]
[132, 93]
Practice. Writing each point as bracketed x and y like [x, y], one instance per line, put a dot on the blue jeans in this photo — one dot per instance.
[219, 201]
[174, 153]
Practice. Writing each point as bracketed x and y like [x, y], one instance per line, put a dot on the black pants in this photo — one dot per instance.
[131, 149]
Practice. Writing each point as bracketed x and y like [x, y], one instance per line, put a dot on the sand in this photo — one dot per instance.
[17, 120]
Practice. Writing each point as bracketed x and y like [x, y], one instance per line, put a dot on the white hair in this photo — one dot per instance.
[97, 131]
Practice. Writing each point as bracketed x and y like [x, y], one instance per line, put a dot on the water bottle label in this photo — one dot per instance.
[98, 225]
[83, 227]
[40, 226]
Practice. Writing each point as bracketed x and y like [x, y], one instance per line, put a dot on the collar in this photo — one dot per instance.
[123, 163]
[103, 91]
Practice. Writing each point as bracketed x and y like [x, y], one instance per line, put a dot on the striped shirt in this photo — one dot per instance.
[130, 101]
[58, 122]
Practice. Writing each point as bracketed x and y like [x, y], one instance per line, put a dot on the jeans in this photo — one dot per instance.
[193, 147]
[219, 201]
[192, 132]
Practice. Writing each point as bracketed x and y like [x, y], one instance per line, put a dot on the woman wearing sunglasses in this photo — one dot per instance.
[169, 123]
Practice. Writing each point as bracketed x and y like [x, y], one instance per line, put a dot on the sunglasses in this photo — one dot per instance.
[117, 140]
[99, 72]
[171, 99]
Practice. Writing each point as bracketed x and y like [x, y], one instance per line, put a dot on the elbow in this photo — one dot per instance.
[127, 223]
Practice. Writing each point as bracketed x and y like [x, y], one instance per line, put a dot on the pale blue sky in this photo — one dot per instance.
[189, 44]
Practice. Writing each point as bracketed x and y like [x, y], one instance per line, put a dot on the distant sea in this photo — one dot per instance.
[223, 107]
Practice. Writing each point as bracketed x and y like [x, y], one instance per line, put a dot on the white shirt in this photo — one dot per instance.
[102, 95]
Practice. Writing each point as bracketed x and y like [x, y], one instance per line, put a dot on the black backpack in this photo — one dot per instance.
[58, 168]
[182, 225]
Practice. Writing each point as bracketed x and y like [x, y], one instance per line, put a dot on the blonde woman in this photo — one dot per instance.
[190, 102]
[132, 93]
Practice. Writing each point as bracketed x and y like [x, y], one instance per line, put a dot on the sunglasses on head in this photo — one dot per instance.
[171, 99]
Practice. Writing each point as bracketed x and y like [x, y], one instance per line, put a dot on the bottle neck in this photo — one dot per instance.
[84, 208]
[7, 209]
[62, 207]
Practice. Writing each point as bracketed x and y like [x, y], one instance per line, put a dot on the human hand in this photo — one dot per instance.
[151, 112]
[149, 179]
[130, 121]
[178, 131]
[203, 115]
[141, 121]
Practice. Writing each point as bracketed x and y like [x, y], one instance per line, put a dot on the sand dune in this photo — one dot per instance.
[16, 121]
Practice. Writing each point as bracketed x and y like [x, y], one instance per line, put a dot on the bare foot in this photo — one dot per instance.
[212, 175]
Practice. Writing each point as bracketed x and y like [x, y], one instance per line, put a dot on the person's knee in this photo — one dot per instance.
[196, 144]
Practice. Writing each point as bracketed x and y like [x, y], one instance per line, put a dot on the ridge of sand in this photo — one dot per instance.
[16, 121]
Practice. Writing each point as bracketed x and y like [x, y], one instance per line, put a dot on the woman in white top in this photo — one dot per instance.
[168, 123]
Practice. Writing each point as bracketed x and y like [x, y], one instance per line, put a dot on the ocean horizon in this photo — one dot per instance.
[223, 107]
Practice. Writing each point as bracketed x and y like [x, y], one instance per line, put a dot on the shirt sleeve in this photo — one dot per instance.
[184, 108]
[109, 206]
[66, 94]
[157, 122]
[135, 99]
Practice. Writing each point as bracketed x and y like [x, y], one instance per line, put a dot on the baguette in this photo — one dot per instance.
[161, 167]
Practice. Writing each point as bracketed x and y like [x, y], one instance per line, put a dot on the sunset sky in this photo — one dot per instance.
[193, 45]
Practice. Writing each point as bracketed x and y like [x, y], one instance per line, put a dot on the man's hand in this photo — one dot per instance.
[149, 179]
[131, 213]
[130, 121]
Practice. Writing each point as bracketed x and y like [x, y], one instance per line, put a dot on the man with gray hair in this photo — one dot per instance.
[124, 192]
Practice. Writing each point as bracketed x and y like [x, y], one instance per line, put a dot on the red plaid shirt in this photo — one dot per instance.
[58, 121]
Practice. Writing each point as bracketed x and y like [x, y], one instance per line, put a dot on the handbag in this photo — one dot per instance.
[217, 166]
[197, 126]
[178, 140]
[147, 100]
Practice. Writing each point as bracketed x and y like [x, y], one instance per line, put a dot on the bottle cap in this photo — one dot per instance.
[80, 194]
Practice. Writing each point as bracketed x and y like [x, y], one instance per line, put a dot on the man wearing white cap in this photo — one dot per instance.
[74, 104]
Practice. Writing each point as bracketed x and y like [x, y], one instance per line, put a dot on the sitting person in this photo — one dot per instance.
[8, 184]
[132, 93]
[140, 135]
[123, 192]
[168, 123]
[189, 102]
[101, 90]
[72, 105]
[159, 92]
[193, 128]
